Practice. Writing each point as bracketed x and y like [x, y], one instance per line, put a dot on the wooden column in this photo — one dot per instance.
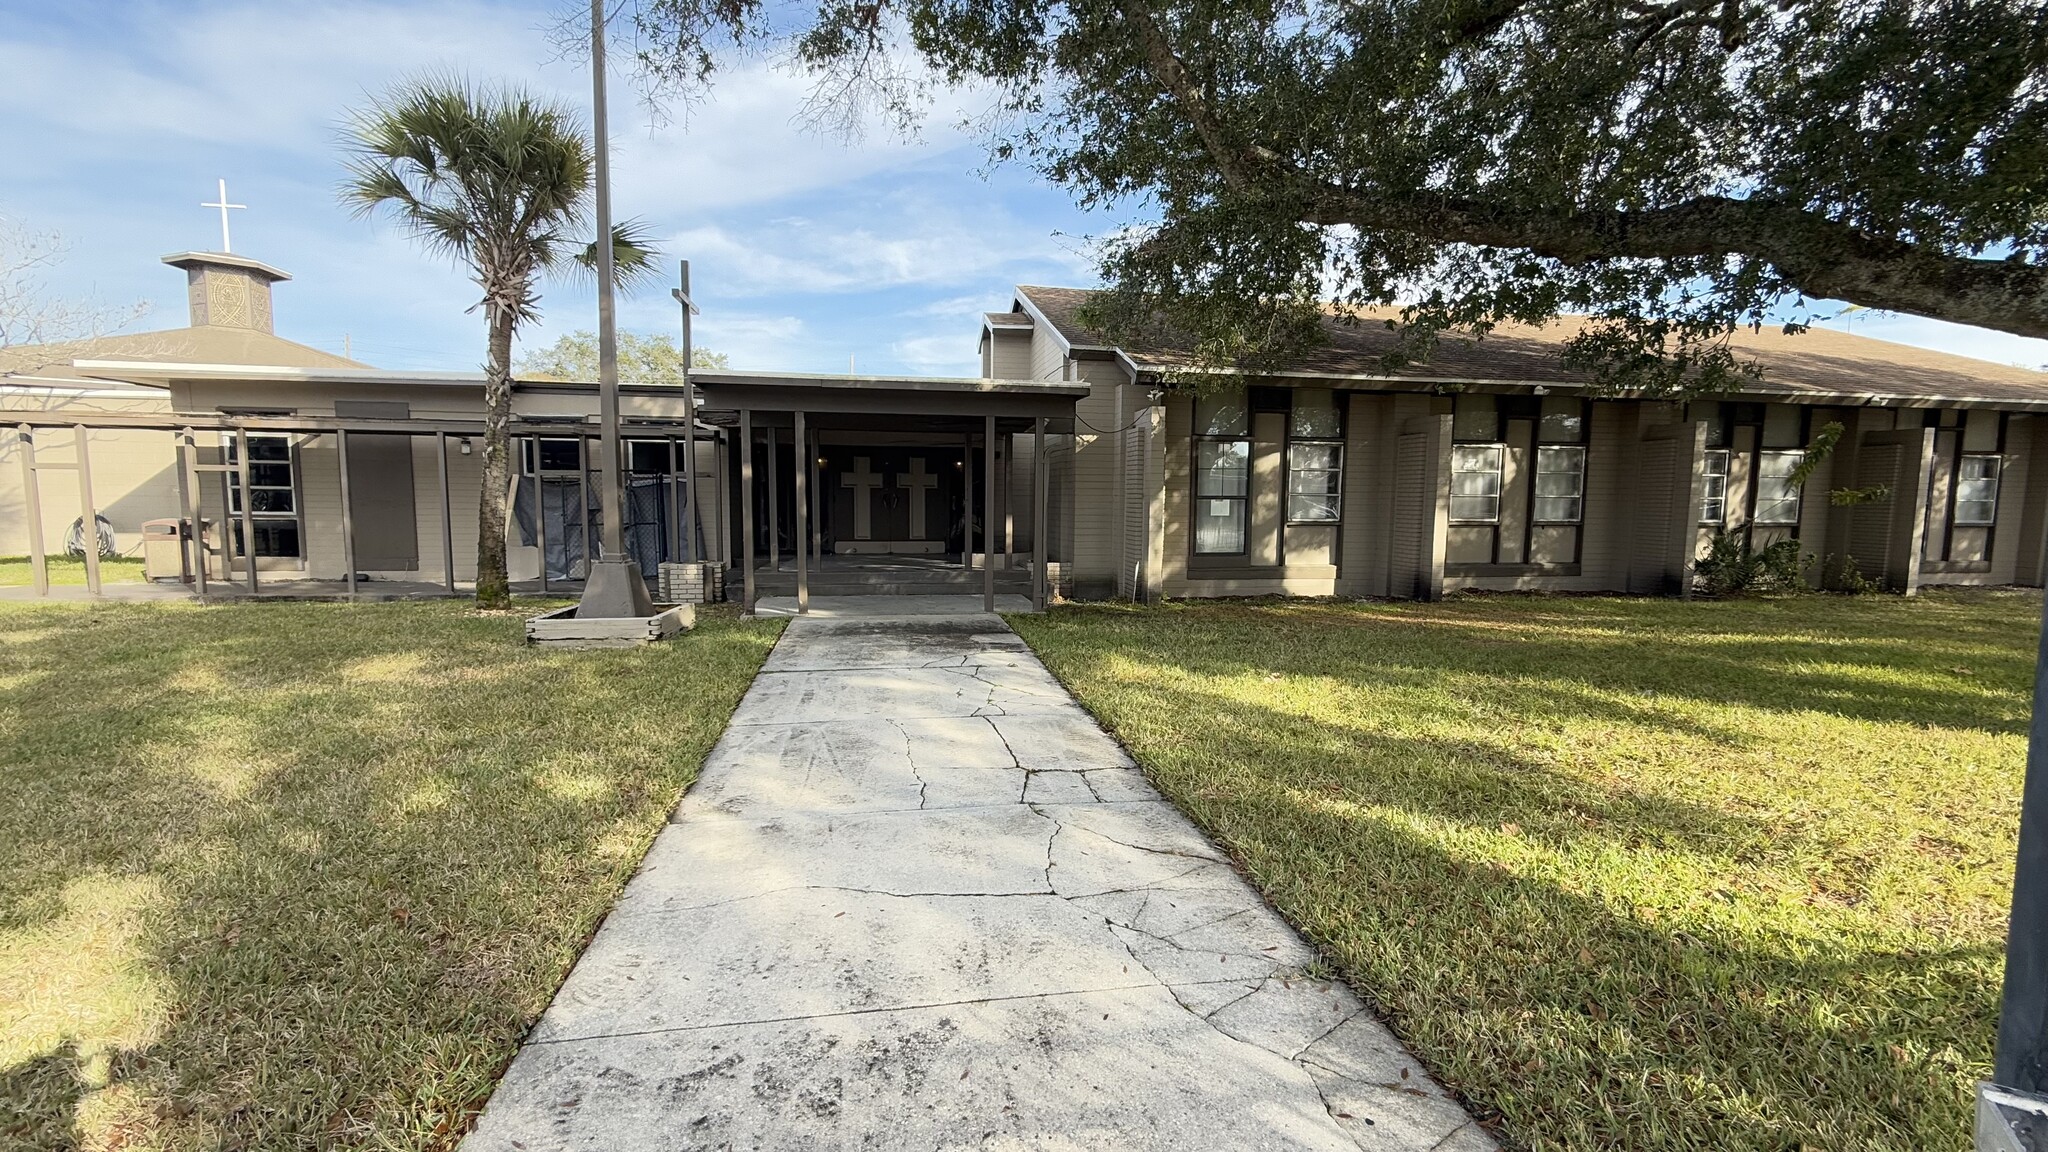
[348, 516]
[32, 499]
[248, 514]
[803, 518]
[988, 514]
[1038, 528]
[774, 501]
[90, 515]
[746, 511]
[967, 502]
[188, 487]
[447, 519]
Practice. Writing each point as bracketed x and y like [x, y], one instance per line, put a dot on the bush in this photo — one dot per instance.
[1732, 567]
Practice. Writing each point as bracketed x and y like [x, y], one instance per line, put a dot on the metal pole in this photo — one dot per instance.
[2022, 1059]
[988, 514]
[447, 518]
[721, 485]
[774, 502]
[967, 502]
[32, 499]
[746, 511]
[613, 545]
[90, 537]
[803, 523]
[682, 295]
[1038, 502]
[248, 514]
[348, 516]
[678, 515]
[540, 512]
[194, 509]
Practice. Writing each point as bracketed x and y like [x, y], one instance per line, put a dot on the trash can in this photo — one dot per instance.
[164, 555]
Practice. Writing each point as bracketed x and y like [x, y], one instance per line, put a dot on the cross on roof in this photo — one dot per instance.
[223, 205]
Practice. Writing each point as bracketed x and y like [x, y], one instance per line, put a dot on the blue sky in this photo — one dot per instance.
[805, 250]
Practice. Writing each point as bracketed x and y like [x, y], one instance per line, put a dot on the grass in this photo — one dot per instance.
[15, 570]
[1627, 873]
[285, 876]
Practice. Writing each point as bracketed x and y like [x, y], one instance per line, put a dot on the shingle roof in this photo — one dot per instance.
[1818, 363]
[204, 344]
[1007, 319]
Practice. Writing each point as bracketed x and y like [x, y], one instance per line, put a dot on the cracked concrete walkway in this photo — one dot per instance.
[918, 900]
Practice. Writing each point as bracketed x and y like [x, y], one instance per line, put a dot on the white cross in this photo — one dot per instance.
[917, 482]
[864, 483]
[223, 205]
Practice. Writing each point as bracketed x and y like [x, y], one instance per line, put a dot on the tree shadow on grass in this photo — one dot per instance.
[379, 836]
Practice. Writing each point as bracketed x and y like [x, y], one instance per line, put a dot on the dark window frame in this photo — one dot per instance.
[1195, 473]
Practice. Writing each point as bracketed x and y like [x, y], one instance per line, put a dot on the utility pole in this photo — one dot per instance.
[614, 588]
[689, 306]
[2012, 1110]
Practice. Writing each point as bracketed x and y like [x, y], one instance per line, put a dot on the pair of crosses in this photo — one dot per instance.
[864, 481]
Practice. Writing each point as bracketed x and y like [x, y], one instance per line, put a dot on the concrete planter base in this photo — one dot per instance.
[561, 628]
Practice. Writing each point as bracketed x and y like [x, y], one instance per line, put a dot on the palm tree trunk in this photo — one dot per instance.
[493, 588]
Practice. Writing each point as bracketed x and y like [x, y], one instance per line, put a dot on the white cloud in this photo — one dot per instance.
[950, 354]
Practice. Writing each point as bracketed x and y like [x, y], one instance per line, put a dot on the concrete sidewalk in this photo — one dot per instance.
[918, 900]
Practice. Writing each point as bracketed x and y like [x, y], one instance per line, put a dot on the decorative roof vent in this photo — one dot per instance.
[227, 291]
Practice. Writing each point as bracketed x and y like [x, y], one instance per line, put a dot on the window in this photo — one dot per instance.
[1315, 459]
[1977, 492]
[1777, 497]
[647, 457]
[1562, 420]
[1560, 484]
[1314, 478]
[273, 503]
[556, 455]
[1714, 507]
[1475, 483]
[1475, 417]
[1223, 451]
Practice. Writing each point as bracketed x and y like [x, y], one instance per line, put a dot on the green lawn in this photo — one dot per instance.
[290, 876]
[15, 570]
[1629, 874]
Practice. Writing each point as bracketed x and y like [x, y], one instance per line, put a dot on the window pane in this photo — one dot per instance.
[1304, 508]
[1475, 509]
[1564, 420]
[1975, 512]
[1303, 457]
[560, 456]
[646, 456]
[1220, 467]
[1219, 525]
[1315, 415]
[1222, 414]
[1557, 509]
[1475, 418]
[1777, 500]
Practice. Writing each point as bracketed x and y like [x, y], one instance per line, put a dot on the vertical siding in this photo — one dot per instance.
[1090, 496]
[1177, 469]
[2029, 435]
[1606, 523]
[1361, 543]
[1411, 474]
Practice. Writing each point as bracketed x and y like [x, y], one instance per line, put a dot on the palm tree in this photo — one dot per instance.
[500, 181]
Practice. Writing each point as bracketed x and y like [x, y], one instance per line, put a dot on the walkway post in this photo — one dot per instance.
[690, 512]
[1038, 527]
[774, 500]
[747, 511]
[2017, 1098]
[803, 518]
[248, 515]
[89, 537]
[189, 486]
[32, 501]
[348, 518]
[447, 528]
[988, 514]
